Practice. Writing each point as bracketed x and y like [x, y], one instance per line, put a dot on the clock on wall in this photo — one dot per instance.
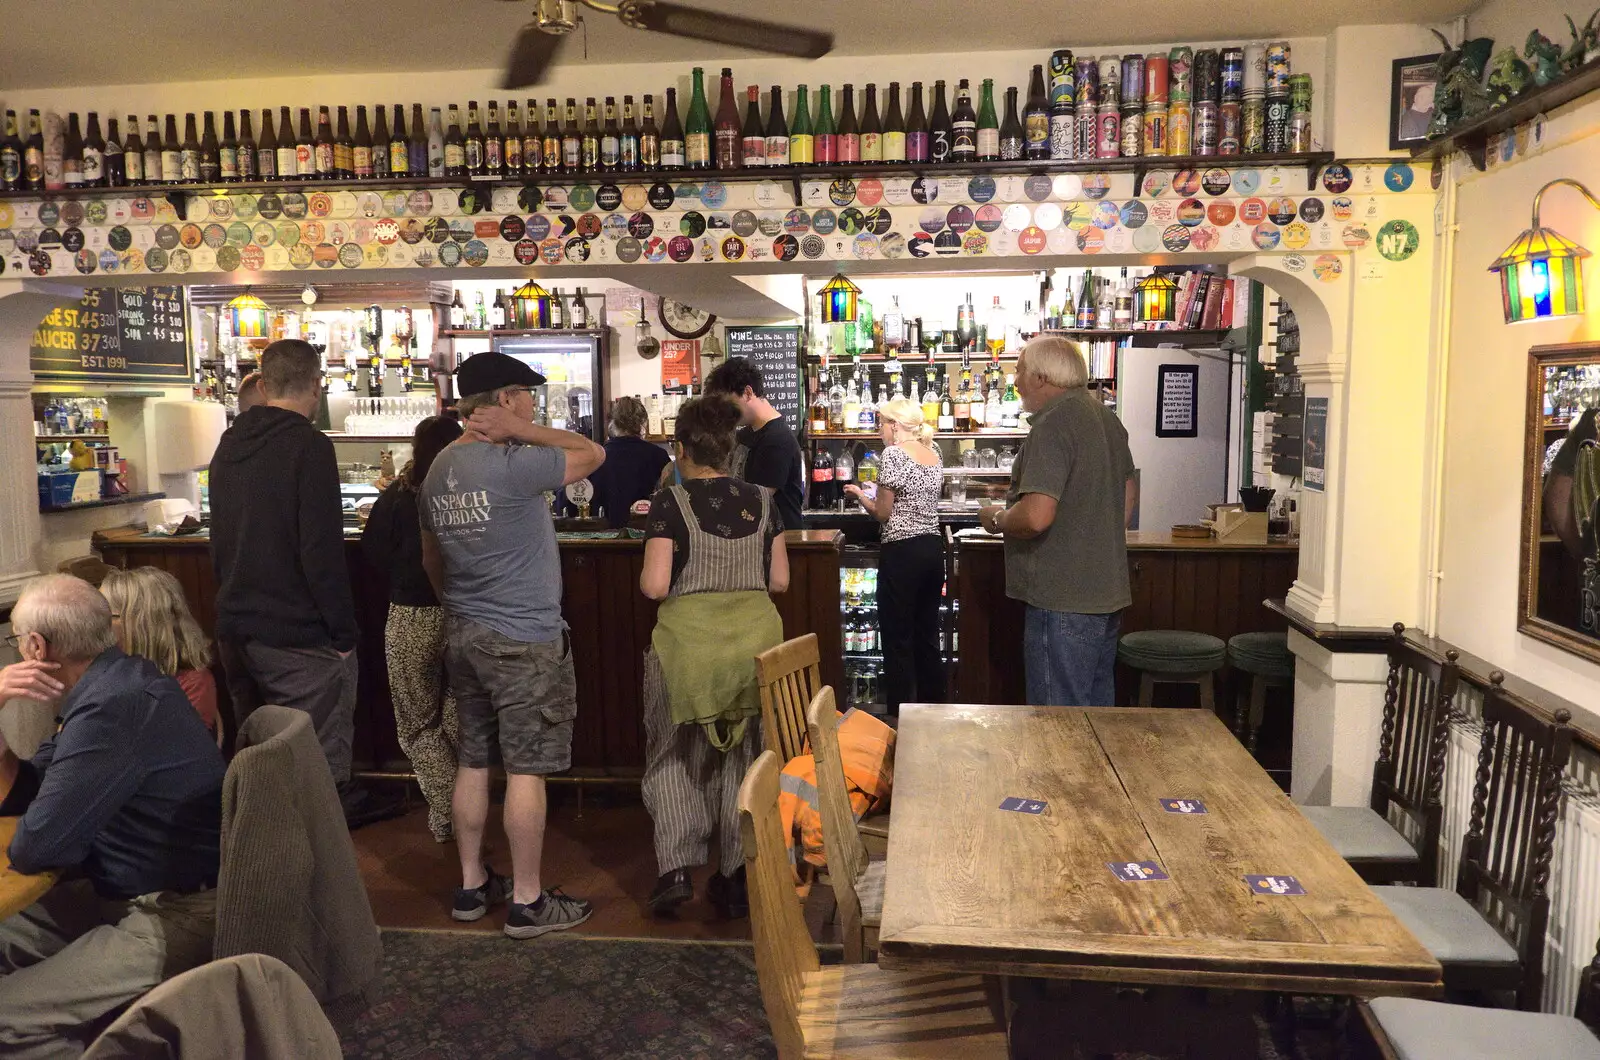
[684, 321]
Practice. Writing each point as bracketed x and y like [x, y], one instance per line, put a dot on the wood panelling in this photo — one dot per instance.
[610, 622]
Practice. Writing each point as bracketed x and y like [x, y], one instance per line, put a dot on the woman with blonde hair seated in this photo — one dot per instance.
[152, 619]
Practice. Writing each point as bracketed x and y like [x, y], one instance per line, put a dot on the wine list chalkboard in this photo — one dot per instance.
[114, 335]
[776, 352]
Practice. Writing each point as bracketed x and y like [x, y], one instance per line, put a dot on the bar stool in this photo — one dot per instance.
[1270, 664]
[1173, 657]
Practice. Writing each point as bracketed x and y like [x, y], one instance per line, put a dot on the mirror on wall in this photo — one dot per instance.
[1560, 599]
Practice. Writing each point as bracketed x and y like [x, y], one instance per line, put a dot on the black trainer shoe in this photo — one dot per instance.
[472, 903]
[728, 894]
[554, 911]
[672, 890]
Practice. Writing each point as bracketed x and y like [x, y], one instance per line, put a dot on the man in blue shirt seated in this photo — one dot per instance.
[128, 793]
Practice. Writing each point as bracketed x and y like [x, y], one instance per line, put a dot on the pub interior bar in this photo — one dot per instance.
[516, 522]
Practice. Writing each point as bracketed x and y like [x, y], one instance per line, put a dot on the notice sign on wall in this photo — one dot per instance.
[114, 335]
[1178, 401]
[1314, 466]
[680, 365]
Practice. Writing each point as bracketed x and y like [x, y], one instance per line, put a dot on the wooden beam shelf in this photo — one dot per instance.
[1472, 137]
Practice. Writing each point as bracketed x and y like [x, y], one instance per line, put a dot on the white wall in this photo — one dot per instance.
[1178, 477]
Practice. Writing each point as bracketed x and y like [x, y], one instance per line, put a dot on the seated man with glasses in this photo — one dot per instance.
[126, 800]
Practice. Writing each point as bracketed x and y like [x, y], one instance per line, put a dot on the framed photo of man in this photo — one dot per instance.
[1411, 101]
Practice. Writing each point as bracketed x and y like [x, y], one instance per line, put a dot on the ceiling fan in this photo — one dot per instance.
[538, 41]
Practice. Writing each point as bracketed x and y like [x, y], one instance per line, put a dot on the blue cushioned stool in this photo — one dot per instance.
[1173, 657]
[1270, 664]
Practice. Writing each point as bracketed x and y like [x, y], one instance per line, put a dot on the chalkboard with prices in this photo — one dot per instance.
[114, 335]
[775, 352]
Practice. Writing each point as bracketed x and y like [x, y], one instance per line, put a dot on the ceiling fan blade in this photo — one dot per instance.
[530, 57]
[679, 20]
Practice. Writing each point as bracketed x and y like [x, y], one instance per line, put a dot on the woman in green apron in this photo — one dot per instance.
[713, 553]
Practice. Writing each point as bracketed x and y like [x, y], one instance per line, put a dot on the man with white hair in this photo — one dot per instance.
[128, 792]
[1065, 524]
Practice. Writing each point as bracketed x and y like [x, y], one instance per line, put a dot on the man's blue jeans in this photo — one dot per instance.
[1070, 658]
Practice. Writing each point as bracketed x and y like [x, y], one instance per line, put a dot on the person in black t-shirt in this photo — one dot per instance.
[768, 453]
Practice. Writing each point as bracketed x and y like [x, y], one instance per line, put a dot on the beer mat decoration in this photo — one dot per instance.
[656, 220]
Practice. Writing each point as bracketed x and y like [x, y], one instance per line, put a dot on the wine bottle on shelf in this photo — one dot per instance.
[511, 146]
[871, 129]
[245, 160]
[917, 138]
[324, 146]
[610, 137]
[11, 171]
[589, 139]
[894, 126]
[472, 141]
[133, 153]
[425, 148]
[729, 151]
[941, 134]
[628, 142]
[361, 147]
[1013, 138]
[455, 146]
[552, 144]
[114, 165]
[533, 160]
[494, 144]
[775, 143]
[825, 142]
[697, 127]
[753, 138]
[344, 148]
[674, 144]
[1036, 116]
[94, 153]
[189, 153]
[802, 142]
[988, 135]
[649, 137]
[848, 136]
[578, 319]
[963, 125]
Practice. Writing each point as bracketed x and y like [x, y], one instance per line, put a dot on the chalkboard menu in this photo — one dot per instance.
[776, 352]
[114, 335]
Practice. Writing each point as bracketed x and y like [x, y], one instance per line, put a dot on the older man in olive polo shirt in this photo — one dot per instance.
[1065, 527]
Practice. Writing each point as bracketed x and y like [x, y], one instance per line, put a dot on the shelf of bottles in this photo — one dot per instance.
[577, 313]
[1184, 108]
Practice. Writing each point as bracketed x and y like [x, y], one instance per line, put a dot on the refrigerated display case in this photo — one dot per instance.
[573, 396]
[862, 636]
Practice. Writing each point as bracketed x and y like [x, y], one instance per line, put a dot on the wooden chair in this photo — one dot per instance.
[859, 1011]
[857, 881]
[1408, 1029]
[1489, 932]
[789, 676]
[1408, 777]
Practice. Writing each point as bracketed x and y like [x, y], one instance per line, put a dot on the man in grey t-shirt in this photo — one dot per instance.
[489, 548]
[1065, 525]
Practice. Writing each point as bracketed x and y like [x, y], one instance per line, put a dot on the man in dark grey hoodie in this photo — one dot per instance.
[286, 625]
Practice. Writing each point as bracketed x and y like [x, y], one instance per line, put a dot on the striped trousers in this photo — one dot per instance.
[690, 788]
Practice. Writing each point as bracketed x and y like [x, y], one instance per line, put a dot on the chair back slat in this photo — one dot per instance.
[785, 954]
[1516, 799]
[789, 675]
[1408, 777]
[841, 840]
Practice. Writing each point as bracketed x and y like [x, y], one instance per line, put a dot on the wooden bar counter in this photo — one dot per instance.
[1204, 585]
[610, 624]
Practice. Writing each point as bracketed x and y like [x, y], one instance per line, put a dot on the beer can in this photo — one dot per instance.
[1300, 93]
[1132, 133]
[1063, 78]
[1155, 129]
[1253, 125]
[1108, 138]
[1132, 80]
[1275, 138]
[1207, 76]
[1255, 69]
[1300, 132]
[1180, 64]
[1063, 134]
[1110, 80]
[1155, 79]
[1087, 121]
[1230, 133]
[1088, 81]
[1278, 68]
[1232, 62]
[1179, 119]
[1205, 127]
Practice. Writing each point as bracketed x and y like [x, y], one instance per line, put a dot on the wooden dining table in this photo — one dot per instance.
[1134, 846]
[18, 890]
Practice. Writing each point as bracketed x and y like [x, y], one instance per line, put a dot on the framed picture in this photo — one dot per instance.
[1411, 101]
[1178, 401]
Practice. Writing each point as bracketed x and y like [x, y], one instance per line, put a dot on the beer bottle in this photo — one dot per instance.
[589, 141]
[610, 137]
[894, 128]
[1036, 117]
[802, 142]
[777, 137]
[455, 146]
[649, 137]
[398, 147]
[941, 133]
[189, 153]
[628, 145]
[550, 144]
[848, 138]
[988, 135]
[210, 152]
[289, 146]
[323, 162]
[494, 144]
[674, 148]
[247, 148]
[918, 137]
[436, 143]
[512, 149]
[571, 140]
[871, 128]
[825, 142]
[360, 146]
[697, 127]
[472, 144]
[11, 174]
[753, 139]
[72, 153]
[1013, 142]
[153, 154]
[228, 150]
[33, 154]
[94, 153]
[267, 148]
[419, 146]
[380, 141]
[115, 166]
[725, 132]
[133, 153]
[344, 148]
[532, 141]
[963, 126]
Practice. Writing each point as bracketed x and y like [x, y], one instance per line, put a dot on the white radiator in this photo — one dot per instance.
[1574, 872]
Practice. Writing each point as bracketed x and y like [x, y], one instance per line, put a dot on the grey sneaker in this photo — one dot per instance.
[473, 902]
[554, 911]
